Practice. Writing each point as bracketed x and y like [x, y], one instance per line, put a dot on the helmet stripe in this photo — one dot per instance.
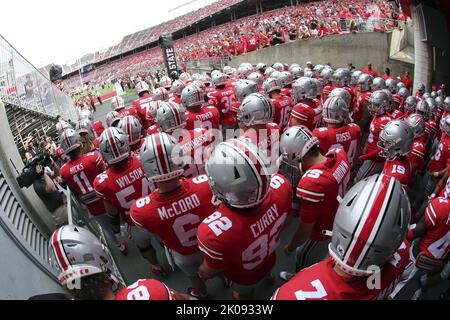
[161, 155]
[370, 222]
[58, 250]
[112, 142]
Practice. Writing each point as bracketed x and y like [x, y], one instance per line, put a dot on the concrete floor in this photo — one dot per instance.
[134, 267]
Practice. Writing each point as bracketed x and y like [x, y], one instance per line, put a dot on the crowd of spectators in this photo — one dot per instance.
[303, 21]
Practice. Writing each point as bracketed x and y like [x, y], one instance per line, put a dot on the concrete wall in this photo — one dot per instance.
[339, 50]
[20, 278]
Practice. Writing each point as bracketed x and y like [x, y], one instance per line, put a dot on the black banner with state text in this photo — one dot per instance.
[166, 44]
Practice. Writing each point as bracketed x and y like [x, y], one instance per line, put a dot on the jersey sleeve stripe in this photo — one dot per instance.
[211, 253]
[427, 212]
[432, 211]
[317, 194]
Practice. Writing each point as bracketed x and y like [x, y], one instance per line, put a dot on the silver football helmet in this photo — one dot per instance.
[237, 174]
[446, 126]
[335, 110]
[114, 146]
[433, 106]
[76, 253]
[423, 109]
[165, 82]
[365, 82]
[304, 88]
[342, 77]
[195, 76]
[185, 77]
[170, 116]
[205, 79]
[295, 143]
[151, 111]
[421, 88]
[256, 109]
[271, 85]
[269, 72]
[426, 95]
[378, 84]
[439, 103]
[84, 126]
[327, 75]
[318, 68]
[447, 104]
[286, 78]
[292, 66]
[391, 85]
[69, 140]
[219, 79]
[341, 93]
[391, 105]
[160, 94]
[417, 123]
[141, 87]
[403, 93]
[261, 67]
[370, 225]
[192, 96]
[297, 72]
[112, 119]
[396, 139]
[177, 87]
[379, 103]
[160, 157]
[257, 77]
[117, 103]
[355, 77]
[244, 71]
[278, 66]
[227, 70]
[400, 85]
[132, 127]
[410, 104]
[244, 88]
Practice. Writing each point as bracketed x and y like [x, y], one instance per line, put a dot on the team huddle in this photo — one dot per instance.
[215, 167]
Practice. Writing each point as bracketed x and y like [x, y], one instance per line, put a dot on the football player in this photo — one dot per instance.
[373, 162]
[368, 251]
[323, 179]
[176, 89]
[133, 128]
[240, 238]
[327, 76]
[339, 133]
[282, 103]
[198, 115]
[307, 110]
[143, 102]
[86, 270]
[361, 114]
[342, 78]
[224, 98]
[396, 141]
[112, 119]
[176, 208]
[122, 183]
[79, 174]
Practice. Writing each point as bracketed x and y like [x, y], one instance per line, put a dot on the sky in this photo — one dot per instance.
[46, 31]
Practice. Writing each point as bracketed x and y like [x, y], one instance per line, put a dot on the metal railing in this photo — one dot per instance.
[21, 84]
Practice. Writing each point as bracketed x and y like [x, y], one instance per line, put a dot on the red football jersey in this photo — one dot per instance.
[306, 115]
[98, 128]
[371, 150]
[224, 99]
[96, 143]
[243, 244]
[347, 137]
[441, 157]
[435, 243]
[176, 99]
[80, 175]
[396, 114]
[400, 169]
[153, 129]
[147, 289]
[195, 149]
[351, 107]
[326, 91]
[122, 187]
[361, 99]
[130, 111]
[61, 155]
[283, 107]
[174, 217]
[264, 139]
[431, 130]
[417, 155]
[321, 282]
[207, 118]
[141, 106]
[287, 92]
[318, 190]
[446, 191]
